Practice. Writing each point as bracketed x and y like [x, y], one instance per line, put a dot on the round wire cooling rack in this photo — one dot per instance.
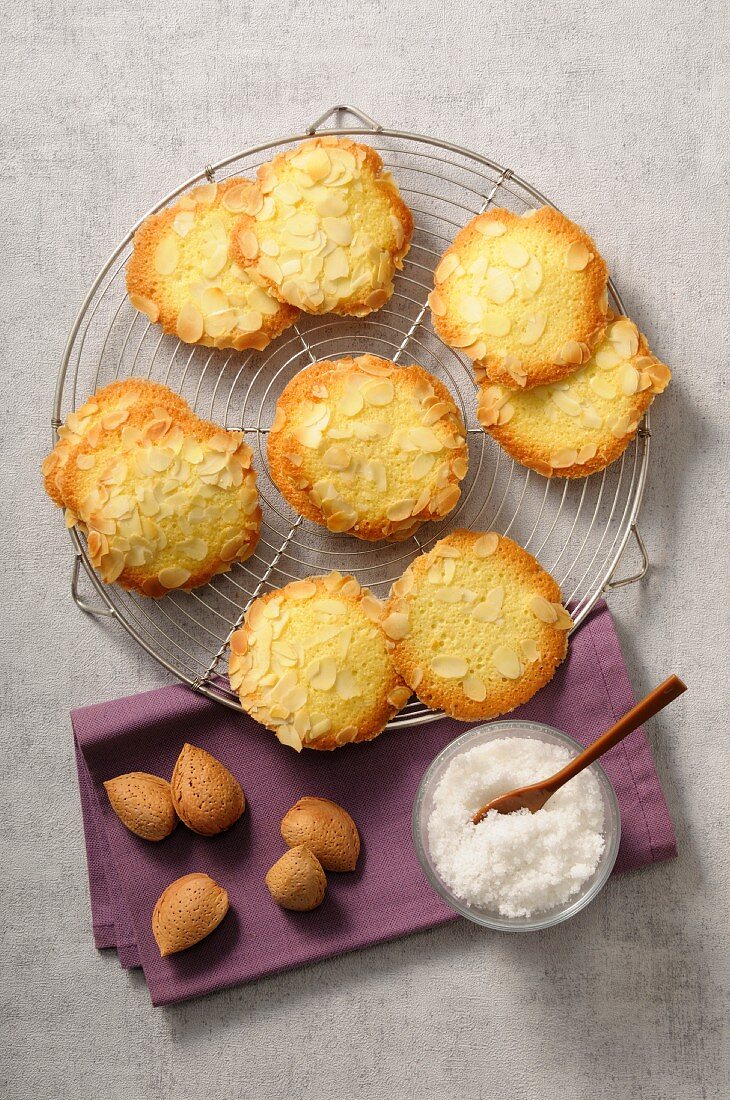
[577, 529]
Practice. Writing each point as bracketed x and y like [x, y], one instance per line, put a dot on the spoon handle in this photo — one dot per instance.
[655, 701]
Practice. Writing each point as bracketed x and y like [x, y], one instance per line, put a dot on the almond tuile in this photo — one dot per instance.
[187, 911]
[143, 802]
[326, 829]
[297, 881]
[207, 798]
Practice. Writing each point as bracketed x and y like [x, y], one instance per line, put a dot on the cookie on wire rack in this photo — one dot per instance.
[368, 447]
[524, 296]
[581, 424]
[476, 626]
[181, 273]
[166, 500]
[310, 663]
[327, 229]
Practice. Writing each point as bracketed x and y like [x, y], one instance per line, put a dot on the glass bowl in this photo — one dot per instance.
[424, 804]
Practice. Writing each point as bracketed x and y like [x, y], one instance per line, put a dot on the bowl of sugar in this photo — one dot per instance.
[518, 872]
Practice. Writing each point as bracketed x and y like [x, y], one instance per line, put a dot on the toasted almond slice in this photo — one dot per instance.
[446, 267]
[530, 649]
[145, 305]
[173, 576]
[543, 609]
[301, 590]
[507, 663]
[396, 625]
[474, 688]
[167, 255]
[400, 510]
[449, 668]
[563, 458]
[490, 227]
[190, 323]
[437, 304]
[515, 254]
[486, 544]
[322, 673]
[577, 256]
[248, 244]
[602, 387]
[498, 286]
[534, 328]
[346, 685]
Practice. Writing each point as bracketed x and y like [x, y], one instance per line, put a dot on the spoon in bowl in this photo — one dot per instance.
[534, 796]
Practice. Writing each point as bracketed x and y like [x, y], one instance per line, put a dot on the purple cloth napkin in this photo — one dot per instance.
[387, 896]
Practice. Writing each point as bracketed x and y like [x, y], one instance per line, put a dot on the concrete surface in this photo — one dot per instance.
[616, 111]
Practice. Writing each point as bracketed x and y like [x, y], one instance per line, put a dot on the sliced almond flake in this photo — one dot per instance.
[379, 393]
[515, 254]
[346, 685]
[426, 440]
[498, 286]
[449, 595]
[396, 625]
[507, 663]
[145, 305]
[577, 256]
[486, 544]
[449, 668]
[532, 276]
[167, 255]
[620, 426]
[563, 620]
[341, 521]
[530, 649]
[322, 673]
[301, 590]
[190, 324]
[565, 402]
[338, 230]
[607, 358]
[624, 336]
[308, 436]
[446, 267]
[564, 458]
[372, 608]
[490, 227]
[173, 576]
[437, 304]
[337, 457]
[602, 387]
[586, 453]
[351, 403]
[474, 688]
[400, 510]
[287, 735]
[589, 418]
[404, 584]
[628, 379]
[543, 609]
[534, 328]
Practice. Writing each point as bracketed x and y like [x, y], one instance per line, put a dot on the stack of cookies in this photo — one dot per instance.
[322, 229]
[563, 383]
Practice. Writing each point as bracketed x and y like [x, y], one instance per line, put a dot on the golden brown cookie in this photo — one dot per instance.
[476, 627]
[182, 275]
[580, 425]
[523, 296]
[166, 500]
[368, 447]
[89, 420]
[327, 230]
[310, 662]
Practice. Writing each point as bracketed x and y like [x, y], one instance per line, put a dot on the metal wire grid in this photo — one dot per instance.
[578, 529]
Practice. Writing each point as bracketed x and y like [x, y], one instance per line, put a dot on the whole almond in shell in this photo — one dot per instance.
[297, 881]
[143, 803]
[327, 830]
[188, 911]
[207, 798]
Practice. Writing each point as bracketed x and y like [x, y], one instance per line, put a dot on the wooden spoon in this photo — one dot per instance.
[536, 795]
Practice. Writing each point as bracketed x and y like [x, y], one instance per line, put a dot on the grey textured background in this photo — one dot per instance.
[615, 110]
